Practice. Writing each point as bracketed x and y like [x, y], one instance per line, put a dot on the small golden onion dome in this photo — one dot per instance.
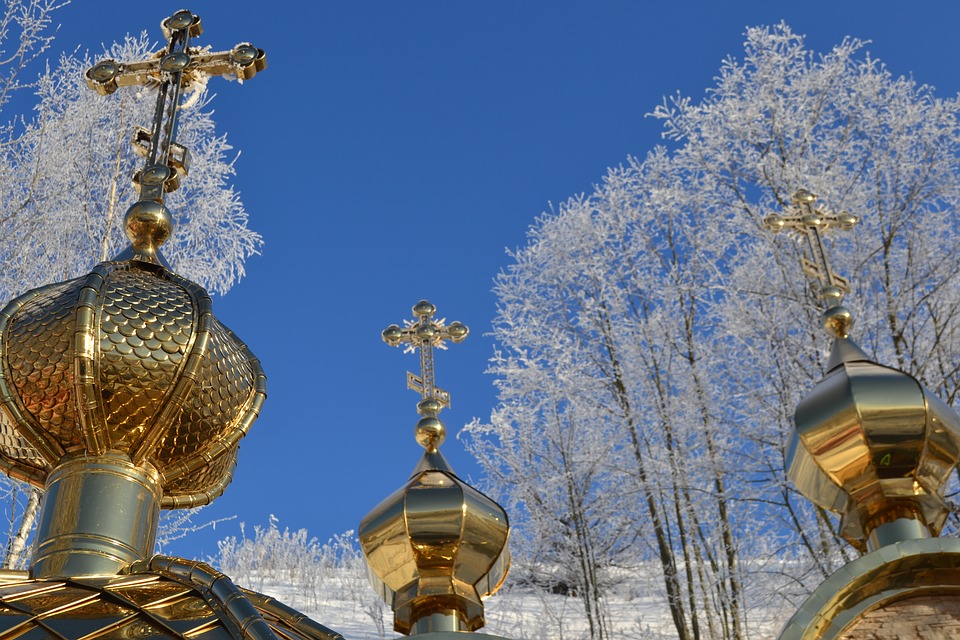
[874, 445]
[126, 360]
[437, 545]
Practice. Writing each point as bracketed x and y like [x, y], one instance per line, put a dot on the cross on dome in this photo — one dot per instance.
[811, 222]
[172, 69]
[424, 334]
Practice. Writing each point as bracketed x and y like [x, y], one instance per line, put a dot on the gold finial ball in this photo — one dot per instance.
[429, 407]
[148, 225]
[802, 196]
[424, 309]
[458, 331]
[847, 220]
[391, 335]
[104, 71]
[430, 432]
[773, 223]
[244, 54]
[174, 62]
[180, 20]
[838, 321]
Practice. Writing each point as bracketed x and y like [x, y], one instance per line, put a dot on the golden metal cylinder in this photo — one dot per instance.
[98, 516]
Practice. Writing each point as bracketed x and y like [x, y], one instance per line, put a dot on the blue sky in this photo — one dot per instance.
[393, 151]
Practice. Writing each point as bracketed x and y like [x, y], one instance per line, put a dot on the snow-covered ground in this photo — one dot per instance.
[329, 583]
[514, 613]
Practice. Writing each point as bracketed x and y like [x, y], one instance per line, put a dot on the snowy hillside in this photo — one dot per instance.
[328, 582]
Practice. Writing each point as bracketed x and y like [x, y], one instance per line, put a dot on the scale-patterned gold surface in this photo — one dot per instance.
[129, 359]
[227, 380]
[146, 327]
[40, 347]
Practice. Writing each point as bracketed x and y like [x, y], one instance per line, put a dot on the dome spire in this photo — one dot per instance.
[436, 547]
[871, 443]
[424, 334]
[178, 66]
[144, 394]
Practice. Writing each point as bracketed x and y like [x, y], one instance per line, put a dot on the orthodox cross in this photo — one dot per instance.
[424, 334]
[811, 222]
[171, 69]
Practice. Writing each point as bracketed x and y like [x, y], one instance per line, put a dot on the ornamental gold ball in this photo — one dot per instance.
[838, 321]
[244, 54]
[427, 332]
[104, 71]
[392, 334]
[847, 220]
[773, 223]
[811, 220]
[424, 309]
[180, 20]
[148, 224]
[430, 432]
[458, 331]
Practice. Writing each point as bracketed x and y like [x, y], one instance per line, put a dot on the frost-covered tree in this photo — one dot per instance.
[65, 185]
[681, 334]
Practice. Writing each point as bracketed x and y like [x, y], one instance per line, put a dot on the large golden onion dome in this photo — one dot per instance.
[128, 359]
[121, 393]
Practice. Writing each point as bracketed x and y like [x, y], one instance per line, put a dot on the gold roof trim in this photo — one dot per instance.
[886, 575]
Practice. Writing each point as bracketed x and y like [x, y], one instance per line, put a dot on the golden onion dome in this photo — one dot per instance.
[128, 359]
[436, 546]
[873, 444]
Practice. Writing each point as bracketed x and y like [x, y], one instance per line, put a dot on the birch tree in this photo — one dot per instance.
[691, 334]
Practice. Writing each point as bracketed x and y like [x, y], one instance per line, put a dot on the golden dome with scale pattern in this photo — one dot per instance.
[131, 360]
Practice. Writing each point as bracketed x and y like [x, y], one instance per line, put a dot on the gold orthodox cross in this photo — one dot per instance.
[171, 69]
[424, 334]
[811, 222]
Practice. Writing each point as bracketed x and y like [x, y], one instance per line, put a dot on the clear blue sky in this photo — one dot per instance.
[392, 151]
